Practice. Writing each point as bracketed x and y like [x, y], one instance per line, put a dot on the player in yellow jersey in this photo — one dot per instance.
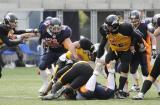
[121, 39]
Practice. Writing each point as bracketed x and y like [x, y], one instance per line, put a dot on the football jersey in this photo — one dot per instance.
[119, 42]
[81, 54]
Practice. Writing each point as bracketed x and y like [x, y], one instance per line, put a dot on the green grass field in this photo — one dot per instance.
[20, 87]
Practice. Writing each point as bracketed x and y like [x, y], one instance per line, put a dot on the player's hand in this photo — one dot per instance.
[142, 48]
[154, 53]
[132, 49]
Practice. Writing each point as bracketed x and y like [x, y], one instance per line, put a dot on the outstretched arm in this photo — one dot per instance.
[67, 43]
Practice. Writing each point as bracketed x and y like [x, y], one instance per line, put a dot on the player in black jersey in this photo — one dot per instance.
[8, 34]
[121, 39]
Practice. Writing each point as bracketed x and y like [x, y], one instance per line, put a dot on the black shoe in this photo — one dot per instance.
[2, 64]
[19, 63]
[122, 95]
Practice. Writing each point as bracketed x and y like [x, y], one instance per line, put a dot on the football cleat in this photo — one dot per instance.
[122, 95]
[140, 96]
[135, 88]
[48, 97]
[54, 95]
[43, 88]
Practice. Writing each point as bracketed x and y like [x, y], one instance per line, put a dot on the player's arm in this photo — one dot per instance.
[67, 43]
[157, 32]
[101, 49]
[153, 39]
[136, 37]
[26, 31]
[103, 31]
[9, 42]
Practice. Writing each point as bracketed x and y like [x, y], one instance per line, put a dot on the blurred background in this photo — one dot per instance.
[83, 16]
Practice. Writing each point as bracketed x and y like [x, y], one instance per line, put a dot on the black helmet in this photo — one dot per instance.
[55, 25]
[135, 14]
[69, 93]
[112, 23]
[89, 48]
[10, 17]
[10, 20]
[85, 44]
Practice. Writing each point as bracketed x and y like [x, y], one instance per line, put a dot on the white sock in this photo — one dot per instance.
[111, 81]
[51, 71]
[144, 78]
[157, 85]
[91, 84]
[44, 76]
[125, 89]
[97, 68]
[135, 78]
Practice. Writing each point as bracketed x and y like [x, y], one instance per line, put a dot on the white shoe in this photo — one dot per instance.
[48, 97]
[140, 96]
[135, 88]
[54, 96]
[43, 88]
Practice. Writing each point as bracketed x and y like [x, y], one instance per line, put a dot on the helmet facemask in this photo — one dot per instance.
[93, 53]
[135, 22]
[112, 24]
[113, 28]
[55, 26]
[135, 18]
[56, 29]
[13, 24]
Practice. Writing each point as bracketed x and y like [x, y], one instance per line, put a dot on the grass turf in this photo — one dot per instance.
[20, 86]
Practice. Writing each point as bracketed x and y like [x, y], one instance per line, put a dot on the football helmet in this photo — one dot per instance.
[156, 20]
[48, 18]
[55, 25]
[112, 23]
[135, 17]
[10, 19]
[88, 48]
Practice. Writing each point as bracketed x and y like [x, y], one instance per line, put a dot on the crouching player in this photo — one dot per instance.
[85, 52]
[80, 81]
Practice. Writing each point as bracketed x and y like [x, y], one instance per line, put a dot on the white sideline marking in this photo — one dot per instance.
[23, 97]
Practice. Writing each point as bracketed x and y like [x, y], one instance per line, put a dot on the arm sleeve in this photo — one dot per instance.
[8, 42]
[24, 31]
[100, 51]
[103, 31]
[136, 37]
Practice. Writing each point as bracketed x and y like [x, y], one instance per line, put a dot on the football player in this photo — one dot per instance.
[155, 70]
[85, 51]
[55, 39]
[121, 39]
[142, 58]
[9, 36]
